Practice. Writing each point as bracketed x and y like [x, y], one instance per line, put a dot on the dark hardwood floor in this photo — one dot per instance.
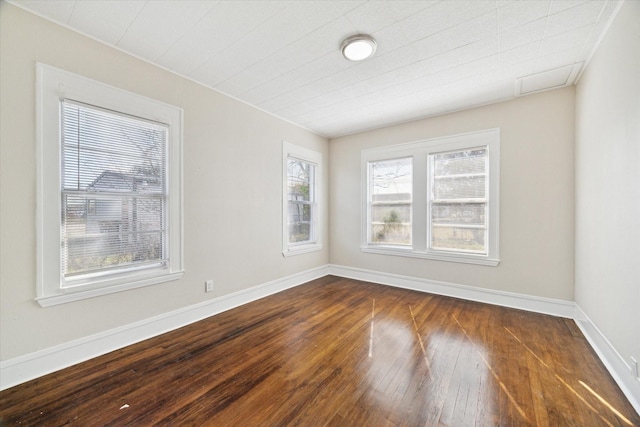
[343, 353]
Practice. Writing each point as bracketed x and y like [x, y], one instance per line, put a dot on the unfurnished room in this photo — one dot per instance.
[320, 213]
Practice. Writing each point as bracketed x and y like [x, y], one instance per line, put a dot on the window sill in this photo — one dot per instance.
[302, 249]
[72, 294]
[461, 258]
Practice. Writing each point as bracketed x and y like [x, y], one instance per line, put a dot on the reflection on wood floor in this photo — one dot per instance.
[339, 352]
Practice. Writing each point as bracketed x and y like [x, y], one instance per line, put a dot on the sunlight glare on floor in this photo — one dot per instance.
[607, 404]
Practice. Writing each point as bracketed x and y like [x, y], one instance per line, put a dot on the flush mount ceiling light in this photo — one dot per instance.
[358, 47]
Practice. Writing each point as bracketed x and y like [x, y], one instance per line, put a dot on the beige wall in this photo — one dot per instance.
[232, 189]
[536, 196]
[228, 208]
[608, 185]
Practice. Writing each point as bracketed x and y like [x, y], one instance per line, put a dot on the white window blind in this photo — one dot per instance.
[114, 192]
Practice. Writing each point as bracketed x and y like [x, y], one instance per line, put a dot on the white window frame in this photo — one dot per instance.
[420, 152]
[53, 85]
[290, 150]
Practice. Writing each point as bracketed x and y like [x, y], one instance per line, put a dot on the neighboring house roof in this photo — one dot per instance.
[118, 181]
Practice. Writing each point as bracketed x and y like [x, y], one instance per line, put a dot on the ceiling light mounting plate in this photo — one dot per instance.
[358, 47]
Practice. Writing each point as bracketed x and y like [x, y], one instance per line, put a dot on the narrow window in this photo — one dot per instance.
[390, 199]
[302, 200]
[302, 204]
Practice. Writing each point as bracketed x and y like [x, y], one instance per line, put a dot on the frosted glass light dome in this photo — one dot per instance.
[358, 47]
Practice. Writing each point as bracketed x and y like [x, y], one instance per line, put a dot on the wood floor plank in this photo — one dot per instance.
[339, 352]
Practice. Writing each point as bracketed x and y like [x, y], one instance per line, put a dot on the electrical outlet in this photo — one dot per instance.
[635, 368]
[208, 286]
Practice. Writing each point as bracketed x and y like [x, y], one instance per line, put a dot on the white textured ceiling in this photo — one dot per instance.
[283, 56]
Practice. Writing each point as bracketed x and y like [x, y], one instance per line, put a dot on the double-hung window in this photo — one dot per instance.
[109, 189]
[301, 194]
[436, 199]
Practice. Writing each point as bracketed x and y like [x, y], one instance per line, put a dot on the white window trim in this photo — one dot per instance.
[292, 150]
[420, 151]
[52, 85]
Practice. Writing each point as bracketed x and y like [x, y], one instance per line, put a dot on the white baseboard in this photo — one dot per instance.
[25, 368]
[554, 307]
[612, 360]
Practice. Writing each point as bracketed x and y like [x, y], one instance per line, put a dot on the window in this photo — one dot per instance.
[390, 195]
[301, 192]
[301, 185]
[109, 189]
[436, 199]
[458, 199]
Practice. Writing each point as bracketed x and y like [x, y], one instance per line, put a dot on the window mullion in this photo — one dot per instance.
[420, 202]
